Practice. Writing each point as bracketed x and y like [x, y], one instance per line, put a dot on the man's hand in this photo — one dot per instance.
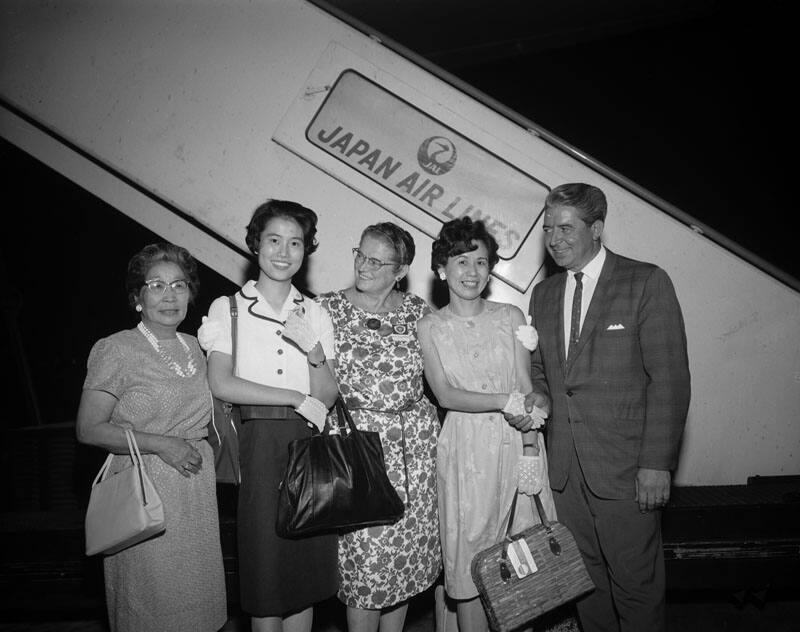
[652, 488]
[534, 399]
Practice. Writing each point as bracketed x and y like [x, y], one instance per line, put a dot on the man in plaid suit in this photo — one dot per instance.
[612, 357]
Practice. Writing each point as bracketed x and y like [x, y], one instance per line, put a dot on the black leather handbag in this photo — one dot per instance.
[336, 482]
[226, 423]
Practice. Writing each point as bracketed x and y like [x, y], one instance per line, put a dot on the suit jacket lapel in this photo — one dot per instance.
[557, 323]
[596, 308]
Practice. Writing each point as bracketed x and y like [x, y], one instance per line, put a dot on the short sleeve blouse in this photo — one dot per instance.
[262, 354]
[151, 396]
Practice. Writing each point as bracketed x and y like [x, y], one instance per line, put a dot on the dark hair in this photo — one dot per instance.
[586, 198]
[305, 217]
[459, 236]
[398, 238]
[150, 255]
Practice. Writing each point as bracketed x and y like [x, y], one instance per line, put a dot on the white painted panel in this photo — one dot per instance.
[184, 100]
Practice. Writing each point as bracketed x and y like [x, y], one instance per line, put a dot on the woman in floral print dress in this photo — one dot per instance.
[379, 369]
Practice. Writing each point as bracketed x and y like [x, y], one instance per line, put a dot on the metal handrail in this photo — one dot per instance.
[661, 204]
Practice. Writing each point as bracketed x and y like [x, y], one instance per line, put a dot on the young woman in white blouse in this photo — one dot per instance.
[283, 385]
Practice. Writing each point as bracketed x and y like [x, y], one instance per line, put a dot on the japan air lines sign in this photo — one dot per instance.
[424, 162]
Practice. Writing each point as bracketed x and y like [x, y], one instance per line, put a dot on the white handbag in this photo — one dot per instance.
[124, 508]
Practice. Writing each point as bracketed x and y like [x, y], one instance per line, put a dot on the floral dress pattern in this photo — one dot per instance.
[379, 369]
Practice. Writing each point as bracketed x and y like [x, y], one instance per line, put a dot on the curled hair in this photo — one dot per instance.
[459, 236]
[586, 198]
[147, 257]
[305, 218]
[398, 238]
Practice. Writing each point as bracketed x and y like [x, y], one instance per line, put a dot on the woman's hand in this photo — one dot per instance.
[300, 332]
[515, 405]
[181, 455]
[530, 474]
[314, 410]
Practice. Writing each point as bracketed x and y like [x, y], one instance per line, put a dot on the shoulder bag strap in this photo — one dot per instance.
[234, 320]
[136, 457]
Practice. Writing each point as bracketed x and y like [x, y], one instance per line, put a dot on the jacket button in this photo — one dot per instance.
[569, 393]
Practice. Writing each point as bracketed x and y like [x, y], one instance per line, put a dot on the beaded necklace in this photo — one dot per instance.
[191, 369]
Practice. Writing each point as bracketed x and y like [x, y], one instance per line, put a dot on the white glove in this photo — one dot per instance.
[527, 335]
[530, 473]
[538, 416]
[299, 331]
[515, 406]
[208, 333]
[313, 410]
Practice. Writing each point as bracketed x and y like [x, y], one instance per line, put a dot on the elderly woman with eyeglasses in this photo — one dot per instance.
[152, 379]
[379, 369]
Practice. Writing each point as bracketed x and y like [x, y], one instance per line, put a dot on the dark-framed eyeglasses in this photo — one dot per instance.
[370, 263]
[159, 287]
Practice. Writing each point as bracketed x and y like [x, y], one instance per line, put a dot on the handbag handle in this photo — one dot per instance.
[136, 458]
[133, 447]
[343, 411]
[555, 547]
[345, 419]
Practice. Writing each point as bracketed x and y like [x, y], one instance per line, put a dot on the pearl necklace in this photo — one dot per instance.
[191, 369]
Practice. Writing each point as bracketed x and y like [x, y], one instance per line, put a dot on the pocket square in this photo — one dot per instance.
[615, 327]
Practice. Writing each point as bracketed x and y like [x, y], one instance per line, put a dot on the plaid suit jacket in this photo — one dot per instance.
[624, 396]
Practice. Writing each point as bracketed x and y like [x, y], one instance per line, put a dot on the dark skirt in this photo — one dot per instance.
[277, 576]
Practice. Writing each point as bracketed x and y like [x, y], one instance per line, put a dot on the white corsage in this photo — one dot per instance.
[527, 335]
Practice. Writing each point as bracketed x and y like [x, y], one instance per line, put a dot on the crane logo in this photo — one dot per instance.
[437, 155]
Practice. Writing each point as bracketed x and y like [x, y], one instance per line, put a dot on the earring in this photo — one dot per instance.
[442, 275]
[397, 283]
[138, 308]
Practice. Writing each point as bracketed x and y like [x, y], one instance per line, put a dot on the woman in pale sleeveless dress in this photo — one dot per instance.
[474, 363]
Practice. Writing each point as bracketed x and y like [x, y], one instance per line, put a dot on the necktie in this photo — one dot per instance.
[575, 323]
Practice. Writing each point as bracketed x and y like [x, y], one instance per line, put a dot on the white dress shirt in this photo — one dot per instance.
[591, 273]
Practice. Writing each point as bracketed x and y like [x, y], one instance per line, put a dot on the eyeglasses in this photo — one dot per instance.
[370, 263]
[159, 287]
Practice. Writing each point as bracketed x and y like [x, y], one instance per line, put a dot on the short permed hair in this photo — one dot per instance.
[305, 217]
[459, 236]
[398, 238]
[147, 257]
[587, 199]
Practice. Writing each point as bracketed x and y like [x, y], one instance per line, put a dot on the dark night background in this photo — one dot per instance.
[698, 111]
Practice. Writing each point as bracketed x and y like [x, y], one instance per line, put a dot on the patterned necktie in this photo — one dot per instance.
[575, 323]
